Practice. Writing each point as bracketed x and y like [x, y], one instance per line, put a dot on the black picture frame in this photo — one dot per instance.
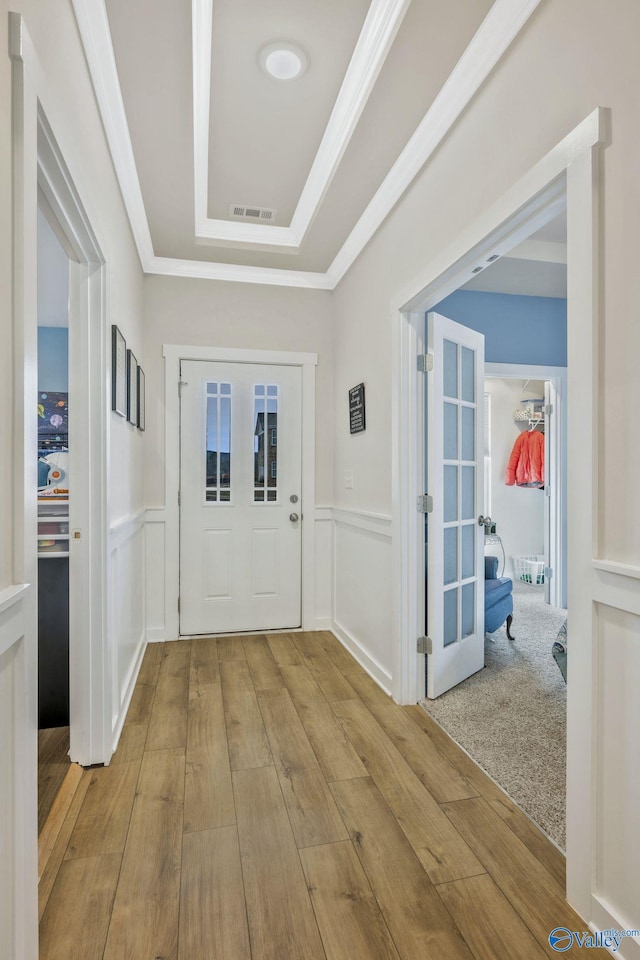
[357, 416]
[141, 399]
[132, 388]
[118, 372]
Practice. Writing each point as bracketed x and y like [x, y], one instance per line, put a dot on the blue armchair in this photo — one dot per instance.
[498, 598]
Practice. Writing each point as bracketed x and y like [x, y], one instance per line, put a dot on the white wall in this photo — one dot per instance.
[572, 56]
[518, 511]
[246, 316]
[65, 88]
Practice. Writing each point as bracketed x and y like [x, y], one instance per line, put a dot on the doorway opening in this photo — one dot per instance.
[53, 517]
[517, 303]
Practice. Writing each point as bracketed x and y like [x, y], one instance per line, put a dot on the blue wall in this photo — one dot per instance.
[516, 329]
[53, 359]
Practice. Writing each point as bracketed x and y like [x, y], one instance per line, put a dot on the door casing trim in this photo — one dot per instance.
[173, 354]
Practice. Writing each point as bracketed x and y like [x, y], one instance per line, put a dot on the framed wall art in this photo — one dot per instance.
[140, 417]
[132, 388]
[118, 372]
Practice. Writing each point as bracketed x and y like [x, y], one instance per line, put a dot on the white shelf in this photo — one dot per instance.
[45, 555]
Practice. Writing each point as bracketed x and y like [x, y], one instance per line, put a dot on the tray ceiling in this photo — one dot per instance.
[195, 125]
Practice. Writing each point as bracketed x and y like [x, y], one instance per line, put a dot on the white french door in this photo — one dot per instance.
[455, 479]
[240, 485]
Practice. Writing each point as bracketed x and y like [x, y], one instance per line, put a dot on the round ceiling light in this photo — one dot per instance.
[283, 61]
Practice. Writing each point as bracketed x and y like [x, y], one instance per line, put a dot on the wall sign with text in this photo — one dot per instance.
[357, 422]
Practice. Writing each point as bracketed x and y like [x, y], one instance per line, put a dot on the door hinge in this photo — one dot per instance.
[179, 498]
[548, 573]
[178, 604]
[547, 490]
[425, 503]
[181, 384]
[425, 645]
[548, 409]
[425, 362]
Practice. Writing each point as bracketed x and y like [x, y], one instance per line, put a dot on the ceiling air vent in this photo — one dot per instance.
[241, 212]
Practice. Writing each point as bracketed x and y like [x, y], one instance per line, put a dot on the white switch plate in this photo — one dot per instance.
[348, 479]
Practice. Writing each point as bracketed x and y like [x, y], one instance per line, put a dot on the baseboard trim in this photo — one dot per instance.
[156, 635]
[323, 623]
[375, 671]
[126, 700]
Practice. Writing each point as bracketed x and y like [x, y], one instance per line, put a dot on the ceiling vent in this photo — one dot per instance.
[239, 211]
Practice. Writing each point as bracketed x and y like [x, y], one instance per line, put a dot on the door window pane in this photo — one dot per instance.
[468, 609]
[450, 554]
[265, 443]
[468, 551]
[468, 493]
[218, 443]
[450, 365]
[467, 365]
[450, 507]
[450, 616]
[450, 431]
[468, 431]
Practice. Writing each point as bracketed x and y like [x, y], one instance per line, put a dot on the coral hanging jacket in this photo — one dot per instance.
[526, 463]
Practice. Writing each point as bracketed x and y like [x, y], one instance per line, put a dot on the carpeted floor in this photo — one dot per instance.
[511, 716]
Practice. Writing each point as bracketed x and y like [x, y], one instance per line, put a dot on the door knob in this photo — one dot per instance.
[293, 517]
[293, 498]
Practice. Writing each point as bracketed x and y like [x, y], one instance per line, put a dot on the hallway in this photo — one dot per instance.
[267, 800]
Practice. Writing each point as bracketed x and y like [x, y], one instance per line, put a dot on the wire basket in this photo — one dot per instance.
[529, 569]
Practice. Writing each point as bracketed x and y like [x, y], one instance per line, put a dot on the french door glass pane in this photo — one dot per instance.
[468, 550]
[450, 554]
[218, 443]
[467, 364]
[450, 367]
[450, 493]
[450, 616]
[468, 609]
[265, 443]
[468, 493]
[468, 415]
[450, 431]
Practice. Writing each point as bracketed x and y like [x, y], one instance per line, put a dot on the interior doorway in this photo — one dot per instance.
[53, 494]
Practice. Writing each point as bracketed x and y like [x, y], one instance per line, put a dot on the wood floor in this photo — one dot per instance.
[53, 766]
[268, 801]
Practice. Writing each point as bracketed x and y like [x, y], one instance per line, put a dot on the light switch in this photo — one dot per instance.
[348, 479]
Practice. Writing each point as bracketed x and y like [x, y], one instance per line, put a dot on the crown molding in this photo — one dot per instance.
[495, 34]
[93, 24]
[378, 33]
[237, 273]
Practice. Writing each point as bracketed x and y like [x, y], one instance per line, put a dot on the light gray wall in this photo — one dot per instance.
[571, 57]
[214, 313]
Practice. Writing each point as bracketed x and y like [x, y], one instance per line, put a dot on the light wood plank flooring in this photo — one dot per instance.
[53, 765]
[268, 801]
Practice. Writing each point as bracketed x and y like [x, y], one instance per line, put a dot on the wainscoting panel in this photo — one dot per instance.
[155, 574]
[362, 618]
[618, 768]
[127, 615]
[18, 783]
[324, 568]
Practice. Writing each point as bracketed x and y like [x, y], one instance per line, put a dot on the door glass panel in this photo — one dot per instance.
[450, 616]
[450, 508]
[468, 549]
[468, 609]
[468, 415]
[467, 374]
[265, 443]
[468, 493]
[450, 554]
[218, 443]
[450, 369]
[450, 431]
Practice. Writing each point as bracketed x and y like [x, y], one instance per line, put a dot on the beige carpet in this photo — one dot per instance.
[511, 716]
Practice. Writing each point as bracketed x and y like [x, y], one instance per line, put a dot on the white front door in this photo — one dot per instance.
[240, 508]
[455, 478]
